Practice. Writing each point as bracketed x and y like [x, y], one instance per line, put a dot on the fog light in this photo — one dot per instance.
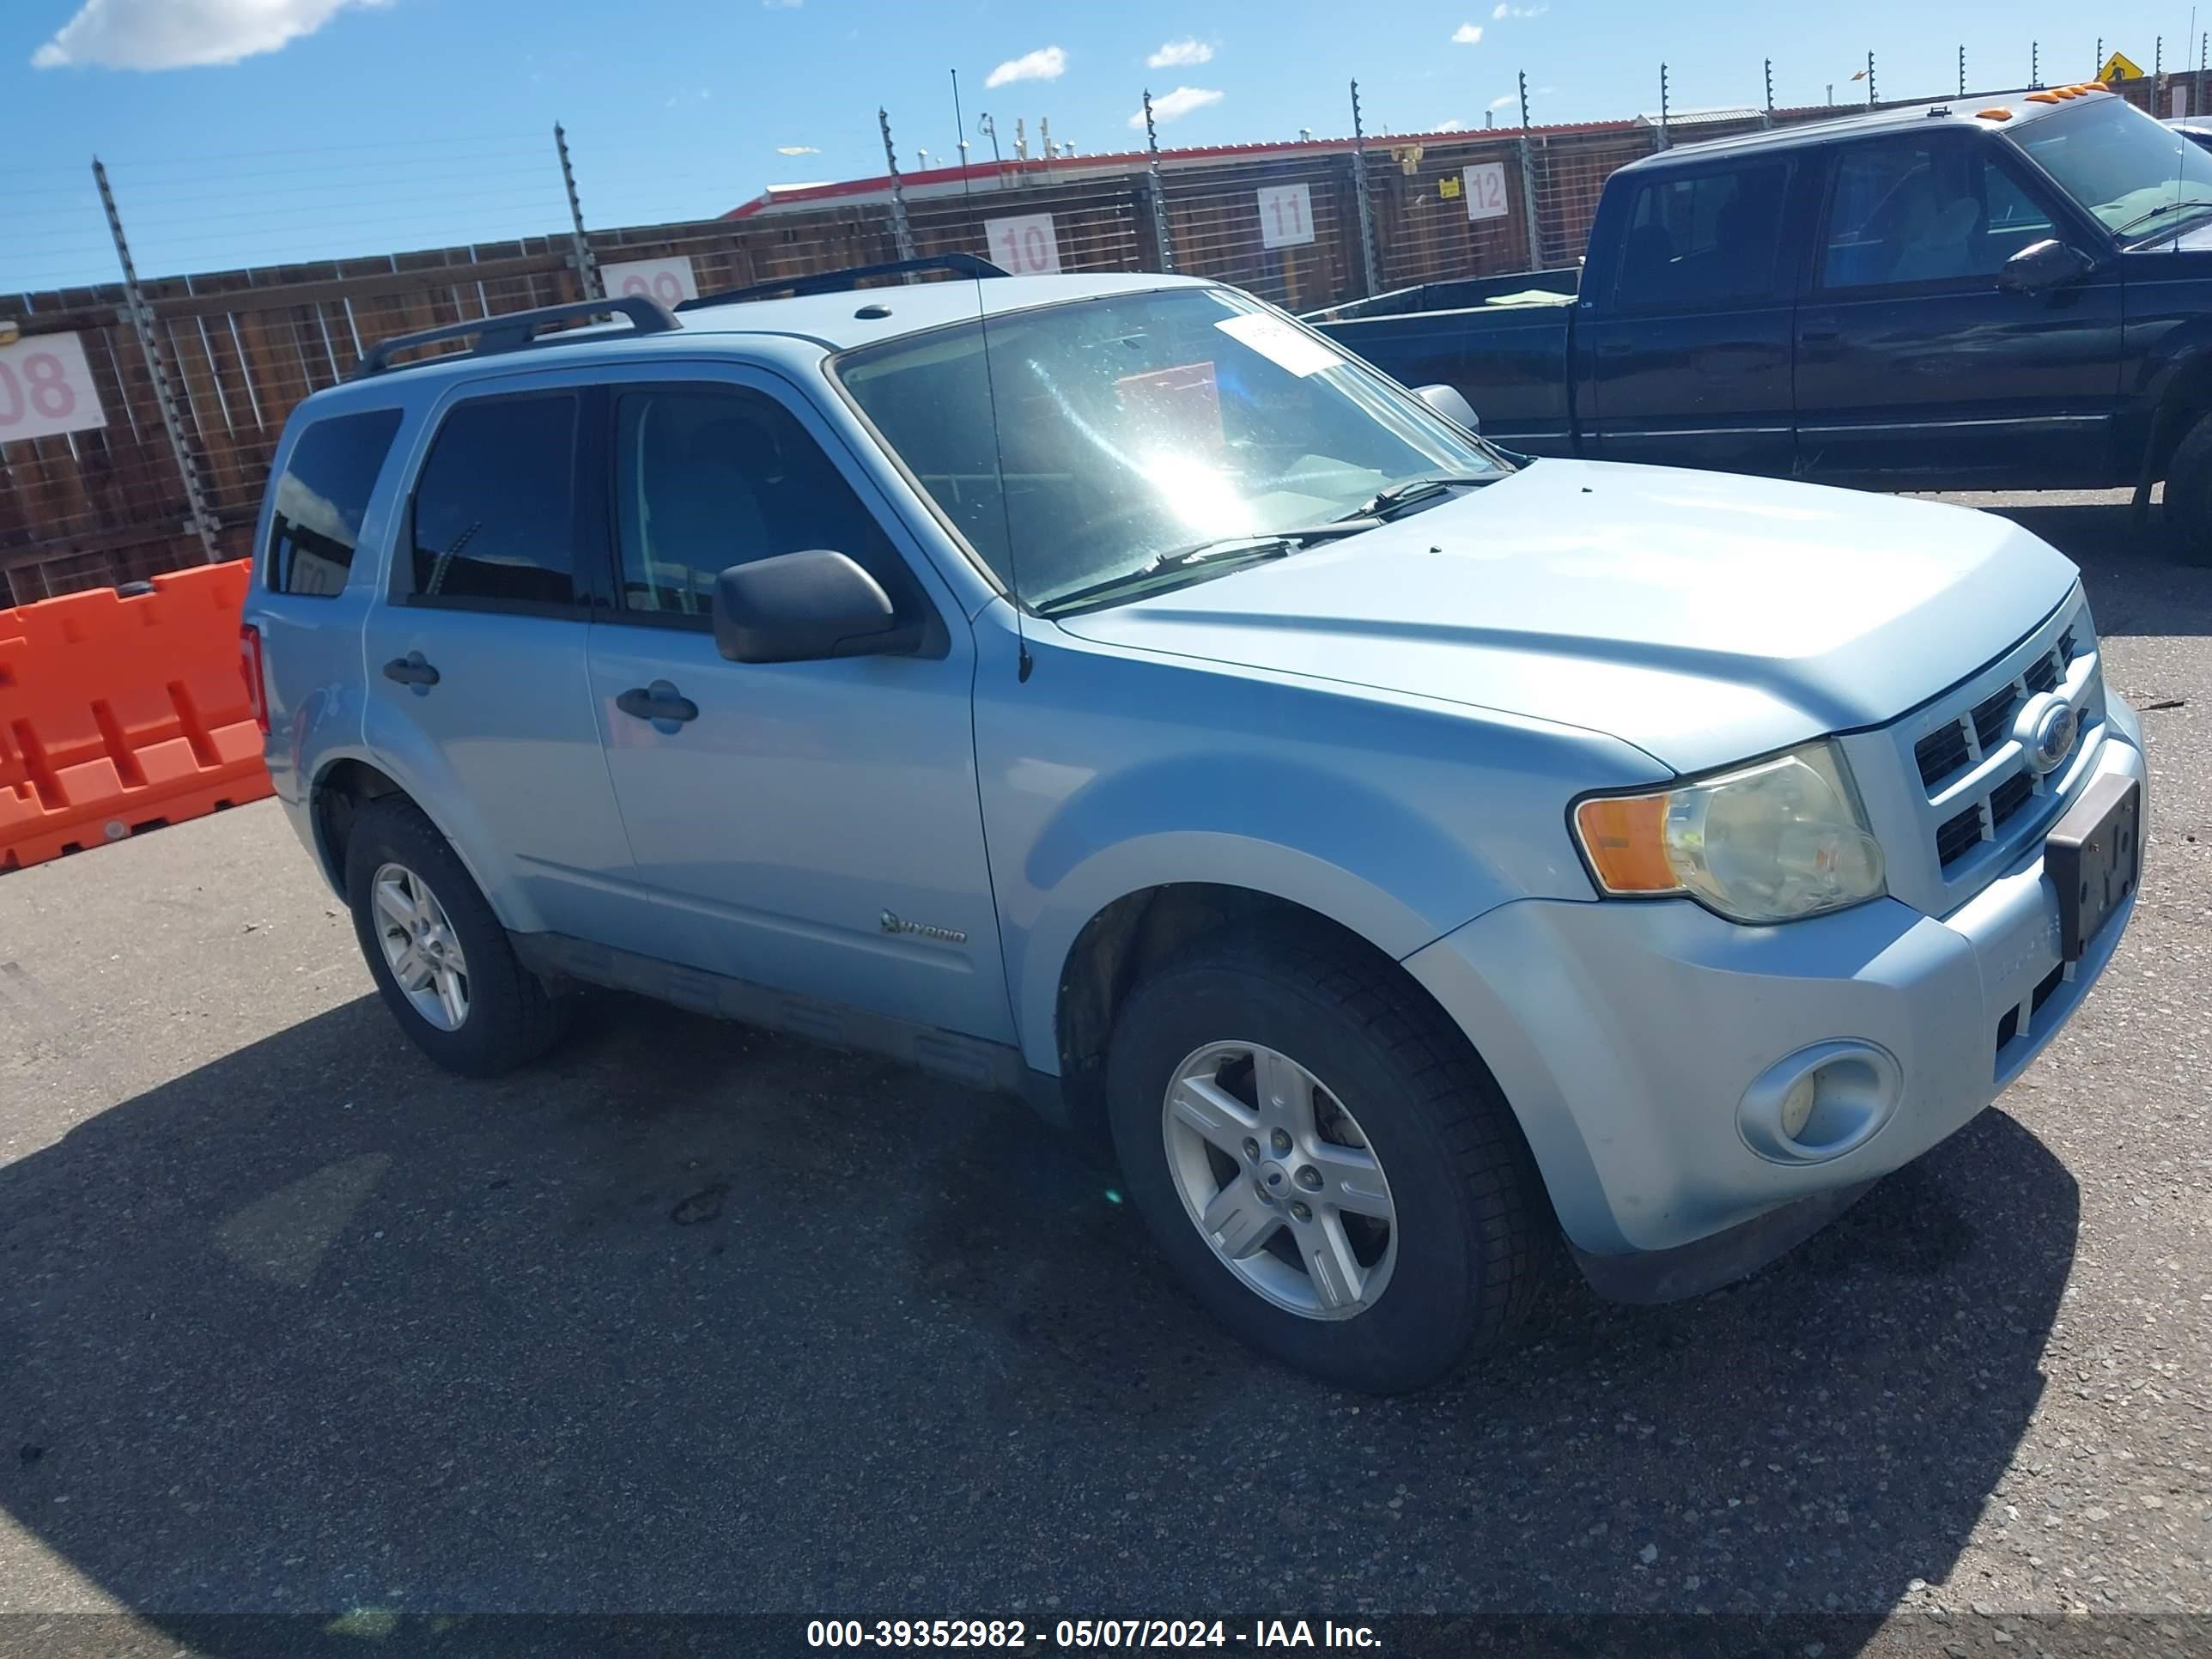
[1797, 1105]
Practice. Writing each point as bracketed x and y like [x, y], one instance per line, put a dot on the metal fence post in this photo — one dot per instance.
[1665, 138]
[135, 312]
[901, 232]
[1962, 70]
[1160, 236]
[2035, 63]
[1870, 96]
[587, 264]
[1766, 115]
[1528, 183]
[1360, 194]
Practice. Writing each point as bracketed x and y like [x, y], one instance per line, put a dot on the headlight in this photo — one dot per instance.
[1770, 841]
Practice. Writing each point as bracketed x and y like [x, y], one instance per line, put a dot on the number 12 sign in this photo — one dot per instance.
[1286, 215]
[45, 388]
[1486, 190]
[1026, 244]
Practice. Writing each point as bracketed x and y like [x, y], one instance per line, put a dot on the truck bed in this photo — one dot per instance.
[1508, 358]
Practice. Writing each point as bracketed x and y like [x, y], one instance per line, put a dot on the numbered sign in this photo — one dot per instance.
[1486, 190]
[1286, 215]
[672, 282]
[46, 387]
[1026, 244]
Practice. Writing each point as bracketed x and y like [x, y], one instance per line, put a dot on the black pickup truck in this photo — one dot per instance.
[2012, 292]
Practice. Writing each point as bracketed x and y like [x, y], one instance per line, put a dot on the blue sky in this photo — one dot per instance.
[244, 131]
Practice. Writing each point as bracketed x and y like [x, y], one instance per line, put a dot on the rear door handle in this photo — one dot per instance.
[659, 701]
[1820, 337]
[410, 670]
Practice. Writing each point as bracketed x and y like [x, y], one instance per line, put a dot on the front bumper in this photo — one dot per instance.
[1627, 1035]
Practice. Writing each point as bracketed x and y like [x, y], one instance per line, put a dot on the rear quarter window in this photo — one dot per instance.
[1702, 240]
[320, 499]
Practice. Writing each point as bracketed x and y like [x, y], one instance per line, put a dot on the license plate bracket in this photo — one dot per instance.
[2094, 859]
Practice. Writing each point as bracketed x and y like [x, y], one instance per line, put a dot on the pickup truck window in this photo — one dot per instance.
[1923, 210]
[494, 518]
[2143, 179]
[1129, 426]
[709, 477]
[320, 499]
[1702, 238]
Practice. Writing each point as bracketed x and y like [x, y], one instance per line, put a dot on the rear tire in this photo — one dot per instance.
[2188, 494]
[468, 1002]
[1452, 1235]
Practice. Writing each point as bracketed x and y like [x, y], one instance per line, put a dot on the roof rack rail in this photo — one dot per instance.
[836, 282]
[519, 330]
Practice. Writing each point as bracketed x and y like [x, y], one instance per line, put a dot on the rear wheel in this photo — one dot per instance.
[1325, 1160]
[440, 956]
[2188, 494]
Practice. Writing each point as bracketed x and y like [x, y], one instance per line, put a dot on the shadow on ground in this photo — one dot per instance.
[692, 1319]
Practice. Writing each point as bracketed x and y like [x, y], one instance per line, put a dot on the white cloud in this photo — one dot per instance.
[1176, 105]
[1500, 103]
[797, 149]
[1046, 63]
[1467, 34]
[783, 5]
[159, 34]
[1179, 54]
[1447, 126]
[1503, 11]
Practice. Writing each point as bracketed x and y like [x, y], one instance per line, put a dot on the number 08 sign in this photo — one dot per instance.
[45, 388]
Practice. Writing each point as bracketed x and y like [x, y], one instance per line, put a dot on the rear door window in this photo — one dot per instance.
[1702, 240]
[315, 523]
[494, 520]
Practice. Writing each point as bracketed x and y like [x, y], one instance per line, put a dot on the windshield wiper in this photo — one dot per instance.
[2146, 216]
[1392, 496]
[1270, 544]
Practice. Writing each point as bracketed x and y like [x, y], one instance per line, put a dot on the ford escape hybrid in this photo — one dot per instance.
[1103, 688]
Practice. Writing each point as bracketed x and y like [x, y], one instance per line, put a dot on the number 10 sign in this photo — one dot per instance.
[45, 388]
[1026, 244]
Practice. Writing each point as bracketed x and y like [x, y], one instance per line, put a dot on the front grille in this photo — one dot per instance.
[2009, 797]
[1941, 753]
[1959, 835]
[1992, 717]
[1969, 763]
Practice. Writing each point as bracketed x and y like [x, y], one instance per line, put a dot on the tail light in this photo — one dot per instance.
[249, 668]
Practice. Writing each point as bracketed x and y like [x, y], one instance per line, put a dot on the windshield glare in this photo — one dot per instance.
[1141, 424]
[2120, 164]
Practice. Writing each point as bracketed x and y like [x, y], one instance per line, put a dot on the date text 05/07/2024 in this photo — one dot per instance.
[1260, 1634]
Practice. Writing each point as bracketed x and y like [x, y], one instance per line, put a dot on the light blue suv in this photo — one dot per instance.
[1103, 689]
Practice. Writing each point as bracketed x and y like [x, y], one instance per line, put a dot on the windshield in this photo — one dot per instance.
[2141, 179]
[1140, 425]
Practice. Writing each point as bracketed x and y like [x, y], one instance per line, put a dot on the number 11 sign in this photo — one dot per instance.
[1286, 215]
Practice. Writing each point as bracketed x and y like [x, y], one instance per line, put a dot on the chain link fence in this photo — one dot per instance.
[138, 419]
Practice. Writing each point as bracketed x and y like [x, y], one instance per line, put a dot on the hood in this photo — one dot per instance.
[1702, 617]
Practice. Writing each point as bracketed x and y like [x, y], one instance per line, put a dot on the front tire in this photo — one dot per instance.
[1324, 1160]
[440, 956]
[2188, 494]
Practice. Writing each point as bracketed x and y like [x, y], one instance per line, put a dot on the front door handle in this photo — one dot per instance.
[410, 670]
[1820, 337]
[659, 701]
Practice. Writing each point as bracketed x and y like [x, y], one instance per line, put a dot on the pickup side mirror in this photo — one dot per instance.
[2041, 266]
[1448, 402]
[802, 607]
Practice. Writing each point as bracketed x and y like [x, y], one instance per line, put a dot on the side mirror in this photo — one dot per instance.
[1448, 402]
[802, 607]
[2041, 266]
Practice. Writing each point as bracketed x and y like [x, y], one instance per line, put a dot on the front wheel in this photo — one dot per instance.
[2188, 494]
[1324, 1160]
[444, 964]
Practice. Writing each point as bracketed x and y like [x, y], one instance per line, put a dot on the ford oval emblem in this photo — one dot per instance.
[2046, 729]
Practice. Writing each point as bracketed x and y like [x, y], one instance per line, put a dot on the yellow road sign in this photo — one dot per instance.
[2119, 67]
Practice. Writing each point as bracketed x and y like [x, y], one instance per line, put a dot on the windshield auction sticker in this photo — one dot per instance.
[1279, 343]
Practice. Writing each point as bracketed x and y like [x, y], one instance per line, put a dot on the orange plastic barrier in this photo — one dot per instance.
[119, 713]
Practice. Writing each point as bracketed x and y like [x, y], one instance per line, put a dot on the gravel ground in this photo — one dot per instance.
[693, 1319]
